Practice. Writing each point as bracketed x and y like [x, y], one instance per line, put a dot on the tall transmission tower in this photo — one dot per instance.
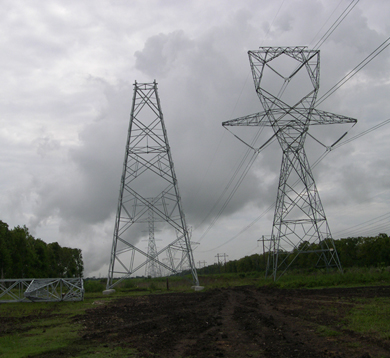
[148, 172]
[299, 224]
[153, 269]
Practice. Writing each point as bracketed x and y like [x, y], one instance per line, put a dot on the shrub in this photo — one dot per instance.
[94, 286]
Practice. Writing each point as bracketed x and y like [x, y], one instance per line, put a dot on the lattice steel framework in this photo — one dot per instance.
[299, 225]
[41, 290]
[153, 269]
[148, 172]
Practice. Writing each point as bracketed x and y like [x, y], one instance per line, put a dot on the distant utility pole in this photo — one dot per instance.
[200, 264]
[224, 256]
[268, 248]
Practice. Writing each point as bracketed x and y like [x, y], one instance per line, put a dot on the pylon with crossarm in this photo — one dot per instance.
[148, 190]
[299, 224]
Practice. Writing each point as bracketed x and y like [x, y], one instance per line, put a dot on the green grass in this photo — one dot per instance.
[291, 279]
[372, 316]
[317, 279]
[38, 340]
[62, 339]
[42, 328]
[47, 327]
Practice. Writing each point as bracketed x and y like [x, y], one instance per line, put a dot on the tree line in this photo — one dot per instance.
[352, 252]
[23, 256]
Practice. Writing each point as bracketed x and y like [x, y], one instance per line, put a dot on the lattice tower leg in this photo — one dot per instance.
[299, 220]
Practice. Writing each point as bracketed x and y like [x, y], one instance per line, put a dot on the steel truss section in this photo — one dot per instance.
[299, 225]
[41, 289]
[149, 189]
[153, 269]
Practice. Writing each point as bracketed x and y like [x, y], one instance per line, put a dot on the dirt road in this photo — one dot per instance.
[237, 322]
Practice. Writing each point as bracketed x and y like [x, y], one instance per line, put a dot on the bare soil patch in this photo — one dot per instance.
[236, 322]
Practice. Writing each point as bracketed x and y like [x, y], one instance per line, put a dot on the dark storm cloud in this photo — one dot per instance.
[66, 93]
[194, 126]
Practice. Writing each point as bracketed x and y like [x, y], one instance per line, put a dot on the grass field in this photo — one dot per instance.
[33, 329]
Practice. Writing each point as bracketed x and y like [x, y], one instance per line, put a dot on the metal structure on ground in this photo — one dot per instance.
[148, 172]
[41, 290]
[299, 225]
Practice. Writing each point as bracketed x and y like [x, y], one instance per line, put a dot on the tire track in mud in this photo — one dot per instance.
[234, 322]
[270, 333]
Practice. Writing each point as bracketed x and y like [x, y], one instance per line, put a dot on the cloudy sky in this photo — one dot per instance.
[67, 73]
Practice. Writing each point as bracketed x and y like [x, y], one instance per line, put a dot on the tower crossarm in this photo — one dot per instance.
[256, 119]
[322, 117]
[260, 119]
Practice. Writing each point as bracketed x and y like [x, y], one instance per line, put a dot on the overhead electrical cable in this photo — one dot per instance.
[366, 226]
[276, 15]
[227, 201]
[363, 224]
[243, 230]
[238, 183]
[387, 121]
[319, 159]
[247, 153]
[324, 97]
[372, 230]
[252, 251]
[322, 156]
[334, 26]
[355, 70]
[210, 163]
[236, 172]
[326, 21]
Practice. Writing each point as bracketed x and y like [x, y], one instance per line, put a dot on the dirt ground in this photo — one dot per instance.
[237, 322]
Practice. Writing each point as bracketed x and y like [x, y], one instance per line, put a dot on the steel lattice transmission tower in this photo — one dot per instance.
[148, 172]
[299, 225]
[153, 269]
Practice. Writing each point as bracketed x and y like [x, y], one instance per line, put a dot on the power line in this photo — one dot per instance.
[362, 64]
[355, 70]
[238, 183]
[319, 43]
[387, 121]
[243, 230]
[334, 26]
[319, 159]
[276, 15]
[326, 21]
[369, 225]
[227, 201]
[240, 163]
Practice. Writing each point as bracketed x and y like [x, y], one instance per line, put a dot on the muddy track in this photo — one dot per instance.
[237, 322]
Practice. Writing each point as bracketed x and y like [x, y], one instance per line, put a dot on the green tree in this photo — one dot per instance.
[22, 253]
[23, 256]
[42, 259]
[5, 256]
